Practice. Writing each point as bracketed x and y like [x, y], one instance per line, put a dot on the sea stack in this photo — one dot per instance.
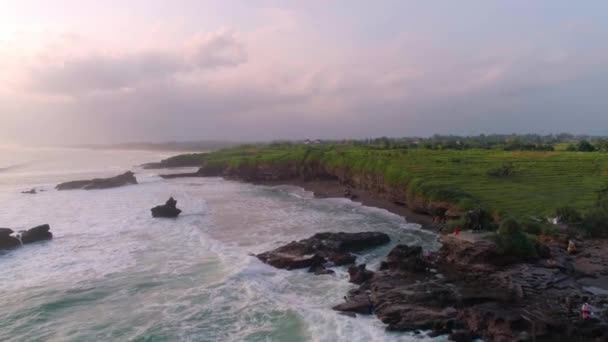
[168, 210]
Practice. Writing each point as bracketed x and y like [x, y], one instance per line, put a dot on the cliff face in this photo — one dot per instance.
[373, 184]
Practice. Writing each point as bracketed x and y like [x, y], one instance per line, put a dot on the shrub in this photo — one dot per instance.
[478, 219]
[451, 225]
[585, 146]
[595, 223]
[531, 227]
[505, 170]
[549, 230]
[511, 240]
[568, 215]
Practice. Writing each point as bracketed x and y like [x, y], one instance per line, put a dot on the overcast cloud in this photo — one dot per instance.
[84, 72]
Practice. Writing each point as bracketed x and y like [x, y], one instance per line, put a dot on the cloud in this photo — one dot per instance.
[106, 72]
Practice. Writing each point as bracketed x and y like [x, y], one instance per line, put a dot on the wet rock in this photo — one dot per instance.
[463, 253]
[358, 304]
[100, 183]
[167, 210]
[359, 274]
[39, 233]
[461, 335]
[516, 302]
[320, 270]
[6, 240]
[30, 192]
[335, 248]
[405, 258]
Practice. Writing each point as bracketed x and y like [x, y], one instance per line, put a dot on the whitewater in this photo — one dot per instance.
[114, 273]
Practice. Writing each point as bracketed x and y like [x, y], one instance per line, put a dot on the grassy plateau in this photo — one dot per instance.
[517, 183]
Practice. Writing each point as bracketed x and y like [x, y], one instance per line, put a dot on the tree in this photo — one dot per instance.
[585, 146]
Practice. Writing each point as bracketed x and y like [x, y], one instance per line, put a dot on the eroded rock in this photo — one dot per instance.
[335, 248]
[39, 233]
[6, 240]
[167, 210]
[126, 178]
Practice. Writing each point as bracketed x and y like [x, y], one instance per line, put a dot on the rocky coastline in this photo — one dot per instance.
[469, 289]
[466, 291]
[368, 190]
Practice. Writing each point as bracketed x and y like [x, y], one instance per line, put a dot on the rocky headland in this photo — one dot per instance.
[469, 289]
[126, 178]
[184, 160]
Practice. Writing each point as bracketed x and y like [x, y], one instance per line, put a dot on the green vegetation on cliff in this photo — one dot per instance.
[518, 183]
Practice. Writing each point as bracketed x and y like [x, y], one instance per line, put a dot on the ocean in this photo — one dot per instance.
[114, 273]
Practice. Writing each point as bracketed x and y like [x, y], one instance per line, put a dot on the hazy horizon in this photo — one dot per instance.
[84, 72]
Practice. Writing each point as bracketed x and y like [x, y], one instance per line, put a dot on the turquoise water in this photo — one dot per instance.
[113, 273]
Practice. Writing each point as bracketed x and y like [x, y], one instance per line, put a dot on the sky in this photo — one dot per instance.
[83, 71]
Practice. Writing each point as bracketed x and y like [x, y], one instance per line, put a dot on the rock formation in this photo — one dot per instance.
[6, 240]
[100, 183]
[323, 249]
[469, 291]
[39, 233]
[168, 210]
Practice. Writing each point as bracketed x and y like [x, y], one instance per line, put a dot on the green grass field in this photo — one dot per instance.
[540, 182]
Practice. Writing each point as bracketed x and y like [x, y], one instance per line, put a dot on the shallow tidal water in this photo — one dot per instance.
[113, 273]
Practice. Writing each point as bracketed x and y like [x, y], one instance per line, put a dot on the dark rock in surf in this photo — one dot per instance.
[405, 258]
[167, 210]
[320, 270]
[126, 178]
[322, 248]
[39, 233]
[30, 192]
[6, 240]
[359, 274]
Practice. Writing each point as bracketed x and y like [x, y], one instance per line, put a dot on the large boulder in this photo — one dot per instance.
[168, 210]
[405, 258]
[322, 248]
[39, 233]
[100, 183]
[6, 240]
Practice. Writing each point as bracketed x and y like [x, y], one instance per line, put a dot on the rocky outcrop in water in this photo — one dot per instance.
[469, 291]
[39, 233]
[126, 178]
[30, 192]
[167, 210]
[323, 249]
[6, 240]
